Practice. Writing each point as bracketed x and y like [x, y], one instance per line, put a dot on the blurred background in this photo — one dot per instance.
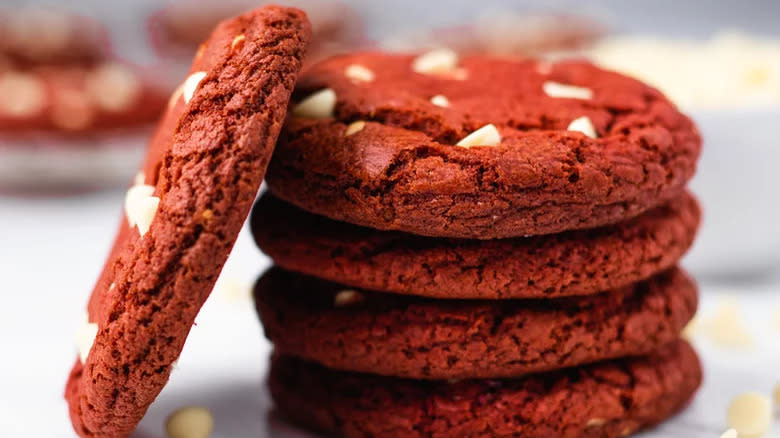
[83, 82]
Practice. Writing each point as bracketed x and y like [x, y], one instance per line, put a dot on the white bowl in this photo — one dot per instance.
[738, 184]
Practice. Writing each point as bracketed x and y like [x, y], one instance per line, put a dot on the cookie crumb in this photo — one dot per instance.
[141, 206]
[189, 422]
[558, 90]
[731, 433]
[487, 135]
[749, 414]
[347, 297]
[191, 84]
[440, 100]
[319, 105]
[359, 73]
[23, 95]
[238, 42]
[354, 128]
[85, 338]
[583, 125]
[439, 61]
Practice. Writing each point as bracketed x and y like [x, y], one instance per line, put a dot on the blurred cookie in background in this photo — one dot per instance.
[179, 28]
[504, 33]
[72, 115]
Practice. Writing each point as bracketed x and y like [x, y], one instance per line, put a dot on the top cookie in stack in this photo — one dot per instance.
[479, 148]
[556, 188]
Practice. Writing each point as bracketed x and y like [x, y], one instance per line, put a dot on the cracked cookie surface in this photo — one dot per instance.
[607, 400]
[573, 263]
[201, 175]
[403, 171]
[422, 338]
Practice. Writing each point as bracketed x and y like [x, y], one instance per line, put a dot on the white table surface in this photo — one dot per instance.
[51, 250]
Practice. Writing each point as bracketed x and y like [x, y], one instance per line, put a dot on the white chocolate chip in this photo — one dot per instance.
[236, 41]
[487, 135]
[140, 178]
[595, 422]
[440, 100]
[85, 338]
[141, 206]
[191, 84]
[555, 89]
[439, 61]
[727, 327]
[750, 414]
[319, 105]
[731, 433]
[359, 73]
[113, 86]
[583, 125]
[189, 422]
[691, 329]
[354, 127]
[347, 297]
[175, 96]
[21, 95]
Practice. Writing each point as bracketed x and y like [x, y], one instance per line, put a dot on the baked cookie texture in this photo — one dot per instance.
[572, 263]
[204, 168]
[419, 338]
[610, 399]
[403, 171]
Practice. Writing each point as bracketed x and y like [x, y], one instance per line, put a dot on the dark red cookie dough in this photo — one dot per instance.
[422, 338]
[609, 400]
[403, 172]
[572, 263]
[205, 164]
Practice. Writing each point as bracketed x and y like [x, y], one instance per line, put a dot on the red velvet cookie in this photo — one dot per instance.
[202, 173]
[479, 147]
[422, 338]
[572, 263]
[609, 400]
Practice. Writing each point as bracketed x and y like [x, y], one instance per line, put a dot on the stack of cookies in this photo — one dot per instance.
[478, 247]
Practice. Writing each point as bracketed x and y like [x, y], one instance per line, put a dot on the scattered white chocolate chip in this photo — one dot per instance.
[347, 297]
[239, 40]
[485, 136]
[189, 422]
[141, 206]
[440, 100]
[140, 178]
[354, 127]
[583, 125]
[749, 414]
[727, 328]
[555, 89]
[319, 105]
[113, 86]
[439, 61]
[691, 329]
[359, 73]
[21, 95]
[191, 84]
[85, 337]
[731, 433]
[72, 110]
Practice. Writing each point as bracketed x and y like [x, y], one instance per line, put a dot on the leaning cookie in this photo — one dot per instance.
[479, 147]
[610, 400]
[421, 338]
[573, 263]
[183, 215]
